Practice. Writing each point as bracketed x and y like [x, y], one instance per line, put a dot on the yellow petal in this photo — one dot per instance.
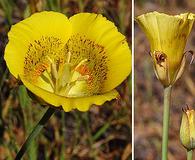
[100, 32]
[68, 104]
[166, 33]
[26, 32]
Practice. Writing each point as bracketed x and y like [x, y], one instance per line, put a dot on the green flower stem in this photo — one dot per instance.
[166, 110]
[35, 132]
[190, 155]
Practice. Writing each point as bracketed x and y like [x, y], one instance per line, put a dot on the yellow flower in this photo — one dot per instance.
[187, 129]
[167, 36]
[73, 62]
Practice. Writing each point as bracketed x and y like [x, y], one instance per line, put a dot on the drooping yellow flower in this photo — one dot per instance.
[187, 129]
[73, 62]
[167, 36]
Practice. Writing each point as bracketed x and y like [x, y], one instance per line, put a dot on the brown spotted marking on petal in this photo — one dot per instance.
[42, 53]
[36, 59]
[96, 66]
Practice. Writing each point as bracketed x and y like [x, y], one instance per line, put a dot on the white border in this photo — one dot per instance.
[132, 91]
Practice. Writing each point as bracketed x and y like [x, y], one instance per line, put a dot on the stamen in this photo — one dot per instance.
[81, 63]
[68, 58]
[65, 74]
[50, 60]
[54, 71]
[68, 86]
[48, 80]
[64, 78]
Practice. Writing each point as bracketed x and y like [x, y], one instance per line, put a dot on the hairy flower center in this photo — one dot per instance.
[76, 69]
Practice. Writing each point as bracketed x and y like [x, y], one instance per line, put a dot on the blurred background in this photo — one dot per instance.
[149, 92]
[103, 133]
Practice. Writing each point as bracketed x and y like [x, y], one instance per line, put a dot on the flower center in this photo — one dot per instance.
[65, 79]
[75, 69]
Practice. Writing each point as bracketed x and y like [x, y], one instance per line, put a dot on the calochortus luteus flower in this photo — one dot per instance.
[187, 129]
[167, 36]
[73, 62]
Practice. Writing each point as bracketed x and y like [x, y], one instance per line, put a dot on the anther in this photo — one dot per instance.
[81, 63]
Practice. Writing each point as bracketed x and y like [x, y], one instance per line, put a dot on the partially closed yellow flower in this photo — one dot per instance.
[167, 36]
[72, 63]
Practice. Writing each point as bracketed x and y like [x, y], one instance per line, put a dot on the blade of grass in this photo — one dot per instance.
[93, 153]
[122, 14]
[81, 4]
[54, 5]
[62, 155]
[36, 130]
[28, 120]
[101, 131]
[7, 6]
[88, 129]
[23, 96]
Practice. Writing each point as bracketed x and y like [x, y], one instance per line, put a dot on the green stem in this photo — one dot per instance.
[166, 109]
[190, 155]
[35, 132]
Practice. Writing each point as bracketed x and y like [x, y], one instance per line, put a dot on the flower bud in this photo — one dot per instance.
[187, 129]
